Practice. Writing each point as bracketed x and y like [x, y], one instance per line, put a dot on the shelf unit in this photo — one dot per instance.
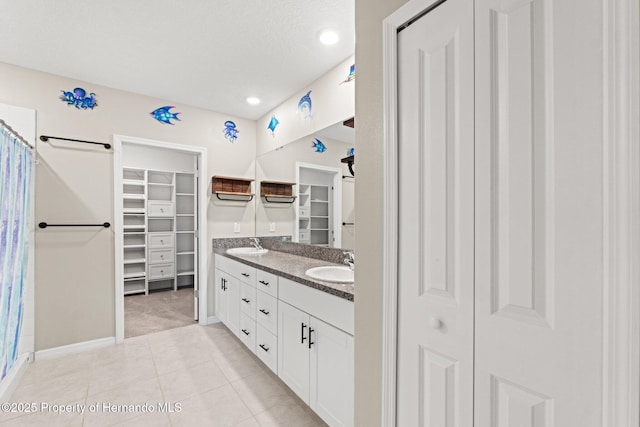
[134, 228]
[277, 191]
[314, 222]
[232, 188]
[186, 207]
[159, 227]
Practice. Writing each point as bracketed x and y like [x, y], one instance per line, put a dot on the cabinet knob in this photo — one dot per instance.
[435, 323]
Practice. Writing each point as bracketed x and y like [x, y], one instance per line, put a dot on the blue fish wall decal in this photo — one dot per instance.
[351, 76]
[319, 146]
[305, 105]
[272, 125]
[163, 115]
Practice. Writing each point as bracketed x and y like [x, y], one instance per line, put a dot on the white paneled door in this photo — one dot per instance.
[436, 192]
[539, 214]
[501, 213]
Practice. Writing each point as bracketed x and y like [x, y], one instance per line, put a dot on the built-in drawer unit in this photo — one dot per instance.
[248, 300]
[267, 282]
[267, 348]
[161, 255]
[267, 311]
[237, 269]
[304, 212]
[304, 235]
[161, 271]
[160, 209]
[248, 331]
[161, 240]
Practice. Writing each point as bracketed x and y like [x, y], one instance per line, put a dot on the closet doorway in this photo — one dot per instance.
[160, 221]
[319, 205]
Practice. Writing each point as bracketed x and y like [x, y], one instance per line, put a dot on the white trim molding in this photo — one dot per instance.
[11, 381]
[80, 347]
[621, 156]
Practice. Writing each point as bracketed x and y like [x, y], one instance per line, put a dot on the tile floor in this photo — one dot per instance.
[158, 311]
[206, 371]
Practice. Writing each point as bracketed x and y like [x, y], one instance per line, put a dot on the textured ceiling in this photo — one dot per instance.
[205, 53]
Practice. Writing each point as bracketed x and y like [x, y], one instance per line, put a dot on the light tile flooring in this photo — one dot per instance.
[206, 371]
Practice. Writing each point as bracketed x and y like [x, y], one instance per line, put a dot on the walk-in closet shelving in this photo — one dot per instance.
[313, 215]
[186, 207]
[134, 229]
[159, 228]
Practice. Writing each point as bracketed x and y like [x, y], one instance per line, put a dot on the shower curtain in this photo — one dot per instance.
[16, 162]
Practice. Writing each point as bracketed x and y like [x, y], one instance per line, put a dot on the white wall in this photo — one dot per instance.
[74, 295]
[369, 149]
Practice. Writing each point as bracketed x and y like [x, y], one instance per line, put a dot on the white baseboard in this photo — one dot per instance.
[11, 381]
[212, 319]
[65, 350]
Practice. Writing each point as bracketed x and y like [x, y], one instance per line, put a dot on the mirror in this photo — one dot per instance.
[323, 211]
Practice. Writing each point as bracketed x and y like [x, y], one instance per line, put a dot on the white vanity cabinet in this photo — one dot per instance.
[302, 334]
[315, 350]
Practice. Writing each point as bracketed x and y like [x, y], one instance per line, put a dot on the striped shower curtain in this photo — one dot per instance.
[16, 162]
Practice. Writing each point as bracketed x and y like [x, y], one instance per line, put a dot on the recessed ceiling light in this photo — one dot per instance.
[328, 37]
[253, 100]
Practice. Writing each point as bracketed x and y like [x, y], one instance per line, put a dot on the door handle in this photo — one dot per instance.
[263, 311]
[310, 332]
[302, 337]
[264, 347]
[435, 323]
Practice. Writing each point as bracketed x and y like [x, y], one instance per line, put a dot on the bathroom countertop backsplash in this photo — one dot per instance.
[290, 260]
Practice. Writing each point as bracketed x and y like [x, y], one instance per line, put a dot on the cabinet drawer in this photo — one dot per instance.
[267, 312]
[161, 271]
[161, 255]
[304, 212]
[304, 235]
[267, 282]
[248, 300]
[161, 209]
[243, 272]
[161, 240]
[248, 331]
[267, 348]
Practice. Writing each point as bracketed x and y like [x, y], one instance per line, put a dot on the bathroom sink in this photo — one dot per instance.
[247, 251]
[331, 273]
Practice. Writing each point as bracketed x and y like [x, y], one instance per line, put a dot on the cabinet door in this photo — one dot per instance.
[331, 373]
[221, 296]
[233, 305]
[293, 349]
[436, 193]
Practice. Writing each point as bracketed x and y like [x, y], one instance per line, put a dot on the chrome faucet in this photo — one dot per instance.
[256, 243]
[350, 259]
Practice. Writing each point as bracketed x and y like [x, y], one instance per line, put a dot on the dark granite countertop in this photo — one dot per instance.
[292, 267]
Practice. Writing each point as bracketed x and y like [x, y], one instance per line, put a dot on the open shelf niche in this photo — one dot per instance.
[232, 188]
[277, 191]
